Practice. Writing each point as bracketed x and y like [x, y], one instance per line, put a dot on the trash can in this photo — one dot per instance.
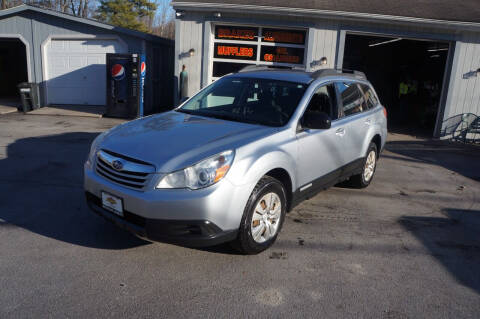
[29, 96]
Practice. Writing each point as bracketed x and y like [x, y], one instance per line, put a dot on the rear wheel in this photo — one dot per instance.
[363, 179]
[263, 217]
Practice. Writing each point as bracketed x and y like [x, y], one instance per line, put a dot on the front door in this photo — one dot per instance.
[321, 152]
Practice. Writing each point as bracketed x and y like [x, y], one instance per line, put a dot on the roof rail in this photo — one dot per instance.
[326, 72]
[359, 73]
[255, 67]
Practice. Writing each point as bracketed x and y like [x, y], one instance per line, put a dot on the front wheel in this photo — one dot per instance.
[363, 179]
[263, 217]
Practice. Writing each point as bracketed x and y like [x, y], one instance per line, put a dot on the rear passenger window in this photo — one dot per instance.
[370, 96]
[352, 98]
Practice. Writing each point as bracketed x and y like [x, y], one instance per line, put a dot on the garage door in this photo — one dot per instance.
[76, 70]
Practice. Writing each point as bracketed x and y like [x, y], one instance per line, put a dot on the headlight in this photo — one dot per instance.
[94, 148]
[200, 175]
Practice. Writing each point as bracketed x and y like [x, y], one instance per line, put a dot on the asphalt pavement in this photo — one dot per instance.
[408, 246]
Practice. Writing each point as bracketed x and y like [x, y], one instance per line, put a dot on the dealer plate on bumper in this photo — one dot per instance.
[112, 203]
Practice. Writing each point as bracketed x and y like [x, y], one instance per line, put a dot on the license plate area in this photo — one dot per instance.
[112, 203]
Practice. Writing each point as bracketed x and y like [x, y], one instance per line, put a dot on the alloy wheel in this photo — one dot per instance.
[266, 217]
[369, 168]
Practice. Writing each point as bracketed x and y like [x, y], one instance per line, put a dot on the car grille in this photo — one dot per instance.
[130, 173]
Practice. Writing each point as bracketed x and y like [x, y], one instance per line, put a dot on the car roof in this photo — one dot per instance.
[296, 75]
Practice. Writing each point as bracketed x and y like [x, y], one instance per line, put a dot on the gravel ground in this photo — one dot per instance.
[406, 247]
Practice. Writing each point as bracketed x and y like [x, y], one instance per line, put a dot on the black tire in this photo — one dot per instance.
[359, 181]
[245, 242]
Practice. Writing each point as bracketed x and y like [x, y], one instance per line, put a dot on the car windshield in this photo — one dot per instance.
[250, 100]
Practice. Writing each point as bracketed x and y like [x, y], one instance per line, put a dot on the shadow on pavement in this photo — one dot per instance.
[460, 158]
[454, 241]
[41, 190]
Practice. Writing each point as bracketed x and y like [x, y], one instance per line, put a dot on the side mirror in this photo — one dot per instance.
[316, 120]
[184, 99]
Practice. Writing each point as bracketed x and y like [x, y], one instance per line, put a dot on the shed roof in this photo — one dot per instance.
[95, 23]
[447, 10]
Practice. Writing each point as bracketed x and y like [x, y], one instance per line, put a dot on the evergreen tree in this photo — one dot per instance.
[132, 14]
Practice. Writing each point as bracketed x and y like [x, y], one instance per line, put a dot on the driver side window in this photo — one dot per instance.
[323, 100]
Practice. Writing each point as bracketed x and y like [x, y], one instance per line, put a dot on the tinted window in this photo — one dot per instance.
[370, 96]
[323, 100]
[261, 101]
[352, 98]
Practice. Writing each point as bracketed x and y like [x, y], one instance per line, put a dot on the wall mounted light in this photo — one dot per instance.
[217, 14]
[323, 61]
[471, 74]
[179, 14]
[187, 54]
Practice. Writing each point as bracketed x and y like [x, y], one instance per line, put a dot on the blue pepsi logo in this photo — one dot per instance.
[118, 72]
[143, 69]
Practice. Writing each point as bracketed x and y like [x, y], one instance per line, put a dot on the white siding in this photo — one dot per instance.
[464, 93]
[191, 37]
[324, 44]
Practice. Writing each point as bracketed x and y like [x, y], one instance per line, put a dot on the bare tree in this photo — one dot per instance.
[80, 8]
[164, 24]
[5, 4]
[57, 5]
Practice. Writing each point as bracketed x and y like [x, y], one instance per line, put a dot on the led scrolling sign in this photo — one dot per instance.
[268, 53]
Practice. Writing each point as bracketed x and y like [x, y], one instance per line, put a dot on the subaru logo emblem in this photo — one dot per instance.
[118, 165]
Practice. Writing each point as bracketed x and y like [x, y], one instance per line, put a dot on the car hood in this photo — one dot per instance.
[175, 140]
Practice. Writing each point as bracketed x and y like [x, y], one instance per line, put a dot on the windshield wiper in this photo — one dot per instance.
[232, 117]
[222, 116]
[185, 111]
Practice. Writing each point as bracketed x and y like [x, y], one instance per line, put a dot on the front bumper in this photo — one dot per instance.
[193, 233]
[202, 217]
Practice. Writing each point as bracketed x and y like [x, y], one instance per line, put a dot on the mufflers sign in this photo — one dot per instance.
[235, 51]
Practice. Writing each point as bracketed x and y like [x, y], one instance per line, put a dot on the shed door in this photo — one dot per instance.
[76, 72]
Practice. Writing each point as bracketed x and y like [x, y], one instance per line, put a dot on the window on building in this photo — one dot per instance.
[238, 46]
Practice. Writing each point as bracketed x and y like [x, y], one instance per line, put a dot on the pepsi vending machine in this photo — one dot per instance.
[125, 85]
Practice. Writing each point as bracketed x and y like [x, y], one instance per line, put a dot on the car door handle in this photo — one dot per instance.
[368, 121]
[340, 132]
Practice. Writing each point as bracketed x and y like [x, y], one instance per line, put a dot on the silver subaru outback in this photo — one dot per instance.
[230, 162]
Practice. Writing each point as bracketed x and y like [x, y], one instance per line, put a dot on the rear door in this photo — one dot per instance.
[355, 120]
[321, 152]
